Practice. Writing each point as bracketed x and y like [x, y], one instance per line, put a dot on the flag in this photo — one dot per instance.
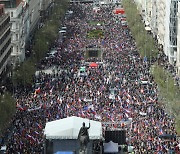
[91, 107]
[67, 88]
[161, 132]
[45, 94]
[35, 95]
[51, 89]
[88, 114]
[127, 116]
[129, 96]
[33, 139]
[134, 98]
[20, 107]
[67, 105]
[28, 136]
[103, 42]
[112, 119]
[82, 114]
[93, 112]
[86, 108]
[153, 122]
[79, 100]
[59, 100]
[37, 91]
[151, 100]
[35, 132]
[34, 109]
[38, 125]
[57, 116]
[135, 129]
[108, 115]
[51, 102]
[149, 109]
[127, 111]
[128, 101]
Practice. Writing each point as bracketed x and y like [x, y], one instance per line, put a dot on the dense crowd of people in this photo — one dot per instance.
[120, 92]
[163, 61]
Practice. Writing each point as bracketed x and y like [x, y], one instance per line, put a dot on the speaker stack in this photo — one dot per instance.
[117, 136]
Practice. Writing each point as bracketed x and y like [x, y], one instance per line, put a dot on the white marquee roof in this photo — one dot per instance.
[68, 128]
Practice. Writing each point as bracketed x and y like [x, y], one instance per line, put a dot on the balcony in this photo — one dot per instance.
[4, 30]
[15, 19]
[5, 53]
[15, 54]
[5, 41]
[3, 18]
[15, 30]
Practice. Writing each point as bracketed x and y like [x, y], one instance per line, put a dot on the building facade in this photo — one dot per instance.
[172, 54]
[24, 15]
[178, 40]
[161, 16]
[34, 13]
[18, 12]
[5, 40]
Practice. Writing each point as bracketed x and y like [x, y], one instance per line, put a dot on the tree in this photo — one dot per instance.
[168, 92]
[7, 109]
[44, 37]
[23, 74]
[144, 40]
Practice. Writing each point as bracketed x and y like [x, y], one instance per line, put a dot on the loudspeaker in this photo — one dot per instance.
[117, 136]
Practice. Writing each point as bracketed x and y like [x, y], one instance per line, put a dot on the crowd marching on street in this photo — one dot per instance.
[122, 73]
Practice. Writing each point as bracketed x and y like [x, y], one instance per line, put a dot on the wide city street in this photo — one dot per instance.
[94, 71]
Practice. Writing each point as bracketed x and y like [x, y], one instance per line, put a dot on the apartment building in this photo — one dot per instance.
[154, 18]
[34, 13]
[172, 50]
[5, 40]
[18, 10]
[161, 15]
[178, 41]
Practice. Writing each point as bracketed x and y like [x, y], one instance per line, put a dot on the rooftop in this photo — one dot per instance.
[10, 3]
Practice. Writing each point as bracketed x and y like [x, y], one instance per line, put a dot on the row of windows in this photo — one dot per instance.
[5, 47]
[5, 36]
[173, 22]
[6, 22]
[5, 58]
[9, 4]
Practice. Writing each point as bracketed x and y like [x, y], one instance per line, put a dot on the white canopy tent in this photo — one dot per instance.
[68, 128]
